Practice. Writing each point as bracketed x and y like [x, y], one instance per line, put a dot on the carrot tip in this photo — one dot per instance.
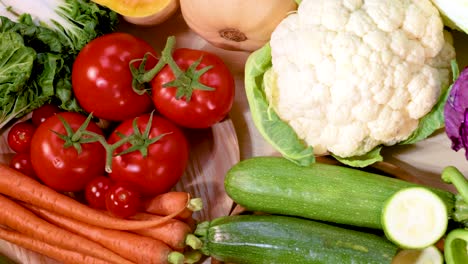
[192, 256]
[175, 258]
[195, 204]
[193, 241]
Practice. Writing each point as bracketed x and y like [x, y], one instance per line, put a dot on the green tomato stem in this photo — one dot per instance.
[460, 213]
[139, 142]
[185, 81]
[142, 77]
[80, 136]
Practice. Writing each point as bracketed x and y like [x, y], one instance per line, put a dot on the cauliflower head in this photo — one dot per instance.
[350, 75]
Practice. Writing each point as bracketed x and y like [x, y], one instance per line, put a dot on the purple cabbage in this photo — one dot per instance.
[456, 113]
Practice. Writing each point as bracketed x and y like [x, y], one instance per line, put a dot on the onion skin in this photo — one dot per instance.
[235, 24]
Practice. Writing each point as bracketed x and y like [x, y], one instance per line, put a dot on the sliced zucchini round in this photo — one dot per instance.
[414, 218]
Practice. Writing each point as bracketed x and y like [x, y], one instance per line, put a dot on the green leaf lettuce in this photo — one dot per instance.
[39, 43]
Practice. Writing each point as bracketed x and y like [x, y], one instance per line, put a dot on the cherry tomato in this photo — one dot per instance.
[96, 190]
[65, 168]
[22, 163]
[20, 135]
[101, 77]
[40, 114]
[164, 163]
[123, 200]
[204, 108]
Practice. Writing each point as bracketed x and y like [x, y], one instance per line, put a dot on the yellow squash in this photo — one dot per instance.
[142, 12]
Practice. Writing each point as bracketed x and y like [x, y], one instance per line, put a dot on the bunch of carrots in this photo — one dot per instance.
[43, 220]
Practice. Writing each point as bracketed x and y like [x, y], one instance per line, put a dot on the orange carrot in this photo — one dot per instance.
[175, 233]
[57, 253]
[20, 219]
[171, 202]
[26, 189]
[192, 222]
[139, 249]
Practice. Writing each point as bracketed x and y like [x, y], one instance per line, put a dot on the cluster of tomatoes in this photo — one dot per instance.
[145, 151]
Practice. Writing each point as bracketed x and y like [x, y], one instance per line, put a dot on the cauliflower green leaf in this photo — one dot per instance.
[277, 132]
[362, 160]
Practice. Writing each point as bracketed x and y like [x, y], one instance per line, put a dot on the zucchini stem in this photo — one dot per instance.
[202, 229]
[455, 246]
[452, 175]
[460, 213]
[202, 232]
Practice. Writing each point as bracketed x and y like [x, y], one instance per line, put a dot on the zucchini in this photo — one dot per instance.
[283, 239]
[323, 192]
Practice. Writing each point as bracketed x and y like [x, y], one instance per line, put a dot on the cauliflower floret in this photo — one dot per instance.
[354, 74]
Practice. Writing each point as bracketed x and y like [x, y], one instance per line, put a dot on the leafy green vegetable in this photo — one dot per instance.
[16, 61]
[277, 132]
[75, 21]
[37, 51]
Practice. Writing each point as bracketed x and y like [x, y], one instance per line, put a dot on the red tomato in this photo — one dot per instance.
[20, 135]
[164, 164]
[123, 200]
[22, 163]
[96, 190]
[63, 168]
[205, 108]
[40, 114]
[101, 77]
